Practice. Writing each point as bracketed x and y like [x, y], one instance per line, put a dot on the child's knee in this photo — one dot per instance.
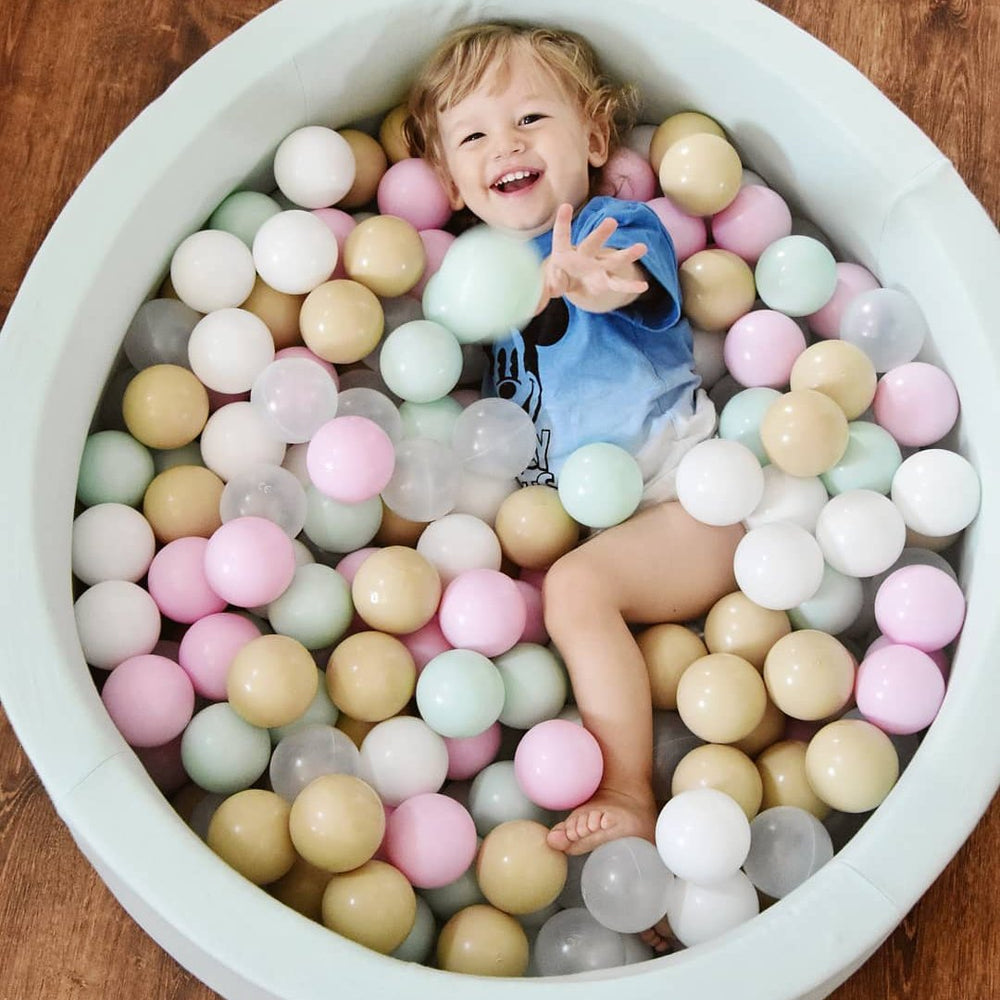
[570, 591]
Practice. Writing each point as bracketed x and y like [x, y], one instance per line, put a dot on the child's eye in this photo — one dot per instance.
[471, 137]
[530, 119]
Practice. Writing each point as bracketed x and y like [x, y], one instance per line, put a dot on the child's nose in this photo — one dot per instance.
[508, 142]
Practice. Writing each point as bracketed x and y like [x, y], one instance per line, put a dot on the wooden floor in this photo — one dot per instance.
[71, 77]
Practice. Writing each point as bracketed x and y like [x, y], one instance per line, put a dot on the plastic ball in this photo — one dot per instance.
[249, 561]
[688, 232]
[411, 190]
[115, 620]
[165, 406]
[337, 822]
[852, 280]
[265, 491]
[725, 768]
[370, 676]
[481, 940]
[534, 528]
[236, 437]
[558, 764]
[294, 251]
[316, 607]
[370, 163]
[518, 872]
[482, 610]
[297, 396]
[838, 370]
[242, 212]
[535, 685]
[373, 905]
[809, 674]
[375, 406]
[719, 482]
[721, 697]
[600, 485]
[804, 432]
[222, 752]
[426, 480]
[742, 415]
[860, 532]
[574, 941]
[699, 913]
[150, 699]
[937, 491]
[402, 757]
[917, 403]
[676, 127]
[668, 650]
[751, 222]
[625, 885]
[350, 459]
[385, 254]
[229, 348]
[717, 288]
[796, 275]
[279, 310]
[435, 419]
[701, 173]
[459, 542]
[785, 497]
[341, 321]
[468, 756]
[834, 607]
[271, 680]
[314, 166]
[735, 624]
[158, 333]
[460, 693]
[177, 581]
[114, 468]
[420, 361]
[212, 269]
[900, 689]
[111, 541]
[627, 174]
[208, 647]
[396, 590]
[488, 284]
[920, 606]
[431, 839]
[494, 437]
[495, 797]
[869, 462]
[249, 831]
[787, 846]
[851, 765]
[885, 323]
[778, 565]
[308, 753]
[762, 347]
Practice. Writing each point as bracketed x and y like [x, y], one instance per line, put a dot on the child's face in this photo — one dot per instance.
[514, 153]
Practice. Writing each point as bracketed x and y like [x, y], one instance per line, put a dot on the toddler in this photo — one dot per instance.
[518, 122]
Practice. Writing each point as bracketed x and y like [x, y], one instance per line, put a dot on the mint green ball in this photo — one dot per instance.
[869, 462]
[315, 608]
[421, 361]
[340, 527]
[796, 275]
[741, 417]
[222, 752]
[460, 693]
[535, 685]
[600, 485]
[243, 213]
[114, 468]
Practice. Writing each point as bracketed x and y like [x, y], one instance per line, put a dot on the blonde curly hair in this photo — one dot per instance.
[462, 60]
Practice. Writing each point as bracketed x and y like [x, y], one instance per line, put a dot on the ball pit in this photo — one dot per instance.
[75, 798]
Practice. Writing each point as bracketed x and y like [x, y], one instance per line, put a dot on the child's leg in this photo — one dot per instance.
[661, 565]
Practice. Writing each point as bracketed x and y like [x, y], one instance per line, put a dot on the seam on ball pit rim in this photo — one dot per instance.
[57, 802]
[924, 178]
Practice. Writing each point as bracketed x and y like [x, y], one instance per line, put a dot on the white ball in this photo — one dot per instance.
[212, 269]
[236, 437]
[402, 757]
[229, 348]
[719, 481]
[937, 491]
[111, 541]
[703, 835]
[294, 251]
[860, 532]
[314, 166]
[458, 542]
[116, 619]
[778, 565]
[699, 913]
[798, 499]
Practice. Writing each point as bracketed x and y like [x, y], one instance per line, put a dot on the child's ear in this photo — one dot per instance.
[600, 141]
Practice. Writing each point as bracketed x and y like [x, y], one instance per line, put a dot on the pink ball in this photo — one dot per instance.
[852, 280]
[340, 223]
[249, 561]
[149, 698]
[351, 563]
[534, 622]
[164, 765]
[628, 175]
[483, 610]
[467, 756]
[350, 459]
[899, 689]
[937, 655]
[425, 643]
[920, 606]
[431, 839]
[917, 403]
[300, 351]
[558, 764]
[535, 577]
[177, 581]
[689, 232]
[436, 243]
[208, 647]
[411, 190]
[761, 347]
[753, 220]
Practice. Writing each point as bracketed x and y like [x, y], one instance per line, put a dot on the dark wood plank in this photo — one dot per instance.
[71, 78]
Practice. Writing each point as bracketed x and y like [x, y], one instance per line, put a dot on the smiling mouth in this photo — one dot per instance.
[516, 180]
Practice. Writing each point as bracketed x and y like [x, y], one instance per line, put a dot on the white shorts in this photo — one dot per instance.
[659, 457]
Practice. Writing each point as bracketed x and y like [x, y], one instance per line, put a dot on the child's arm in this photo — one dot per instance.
[590, 275]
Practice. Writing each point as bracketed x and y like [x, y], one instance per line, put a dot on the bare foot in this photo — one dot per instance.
[609, 815]
[659, 937]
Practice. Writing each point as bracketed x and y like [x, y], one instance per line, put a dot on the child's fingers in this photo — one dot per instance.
[595, 240]
[628, 285]
[561, 229]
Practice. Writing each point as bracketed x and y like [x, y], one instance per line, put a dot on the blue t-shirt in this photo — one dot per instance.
[618, 376]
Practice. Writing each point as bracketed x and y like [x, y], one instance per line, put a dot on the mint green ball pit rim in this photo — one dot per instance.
[806, 120]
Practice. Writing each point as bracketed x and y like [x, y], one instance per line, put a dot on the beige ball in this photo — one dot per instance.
[809, 674]
[249, 831]
[721, 698]
[396, 590]
[391, 137]
[533, 527]
[851, 765]
[483, 941]
[804, 432]
[735, 624]
[165, 406]
[278, 310]
[385, 254]
[782, 768]
[724, 768]
[370, 162]
[373, 905]
[272, 680]
[341, 321]
[516, 869]
[668, 649]
[701, 173]
[370, 676]
[717, 288]
[839, 370]
[677, 127]
[769, 730]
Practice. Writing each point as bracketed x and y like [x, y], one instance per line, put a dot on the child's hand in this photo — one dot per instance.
[591, 275]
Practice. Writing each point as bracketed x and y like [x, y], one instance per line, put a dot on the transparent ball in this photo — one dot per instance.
[426, 480]
[625, 885]
[494, 437]
[297, 396]
[159, 333]
[887, 324]
[573, 941]
[267, 491]
[787, 845]
[308, 753]
[361, 401]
